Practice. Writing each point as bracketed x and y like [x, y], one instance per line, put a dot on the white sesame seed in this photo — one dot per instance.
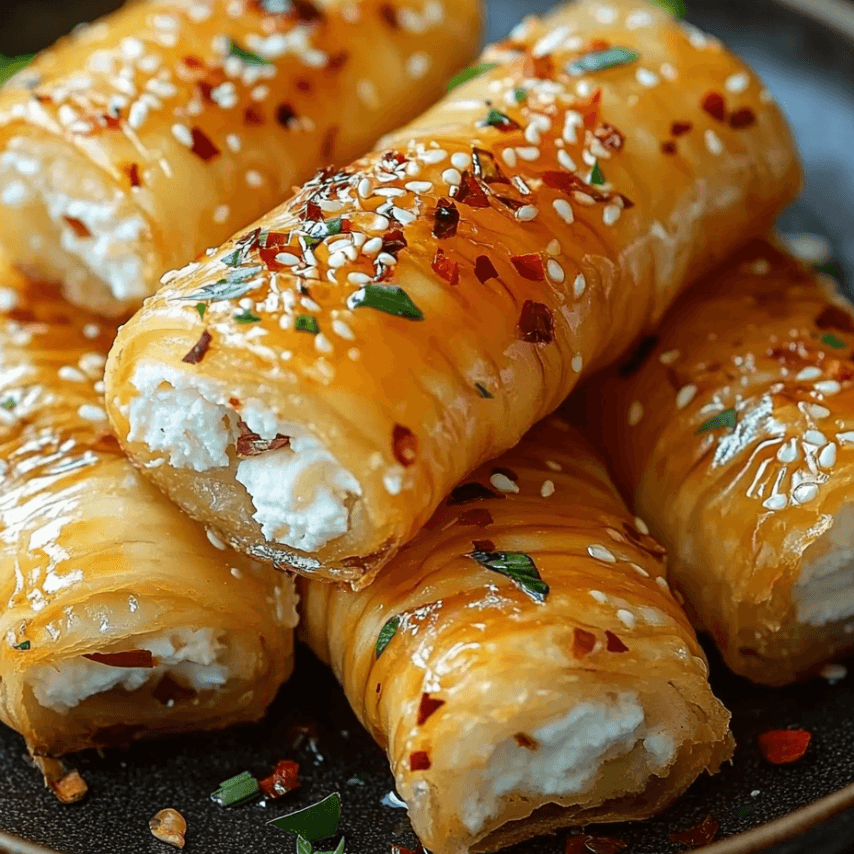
[137, 115]
[803, 493]
[90, 412]
[337, 259]
[452, 176]
[788, 453]
[669, 357]
[565, 160]
[646, 77]
[418, 65]
[215, 541]
[639, 570]
[579, 285]
[233, 142]
[555, 271]
[601, 553]
[828, 387]
[373, 246]
[737, 83]
[815, 437]
[610, 214]
[661, 581]
[527, 213]
[460, 160]
[528, 152]
[599, 596]
[554, 247]
[367, 94]
[503, 483]
[563, 210]
[386, 258]
[627, 618]
[183, 134]
[508, 155]
[847, 436]
[221, 213]
[775, 502]
[713, 142]
[685, 395]
[834, 672]
[547, 489]
[553, 465]
[806, 374]
[91, 330]
[71, 374]
[433, 156]
[254, 178]
[816, 410]
[635, 413]
[322, 344]
[288, 259]
[533, 135]
[342, 330]
[358, 278]
[404, 217]
[668, 72]
[827, 456]
[419, 186]
[577, 363]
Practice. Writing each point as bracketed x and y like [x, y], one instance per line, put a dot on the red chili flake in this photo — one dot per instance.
[742, 118]
[445, 219]
[513, 204]
[105, 442]
[471, 193]
[394, 241]
[304, 85]
[483, 545]
[233, 401]
[169, 691]
[127, 658]
[446, 269]
[484, 269]
[700, 834]
[526, 741]
[397, 849]
[485, 167]
[668, 147]
[202, 145]
[587, 844]
[133, 174]
[478, 518]
[536, 323]
[615, 644]
[199, 349]
[530, 267]
[109, 121]
[193, 62]
[253, 115]
[834, 317]
[569, 183]
[77, 226]
[405, 445]
[680, 128]
[609, 136]
[389, 15]
[285, 114]
[583, 642]
[284, 779]
[474, 491]
[427, 706]
[782, 746]
[540, 67]
[713, 103]
[337, 60]
[306, 11]
[250, 444]
[419, 761]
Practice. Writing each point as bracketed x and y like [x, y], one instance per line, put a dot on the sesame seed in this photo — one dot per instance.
[565, 160]
[827, 456]
[803, 493]
[221, 213]
[460, 160]
[533, 135]
[635, 413]
[610, 214]
[404, 217]
[508, 155]
[91, 330]
[661, 581]
[367, 93]
[342, 330]
[563, 210]
[737, 83]
[639, 570]
[577, 363]
[254, 178]
[816, 410]
[788, 453]
[337, 259]
[579, 285]
[547, 489]
[775, 502]
[215, 541]
[386, 258]
[503, 483]
[834, 672]
[322, 344]
[553, 465]
[418, 64]
[599, 596]
[601, 553]
[527, 213]
[685, 395]
[668, 72]
[233, 142]
[137, 115]
[555, 271]
[815, 437]
[669, 357]
[71, 374]
[828, 387]
[847, 436]
[528, 152]
[183, 134]
[433, 156]
[358, 278]
[419, 186]
[554, 247]
[373, 246]
[627, 618]
[713, 142]
[810, 373]
[452, 176]
[90, 412]
[288, 259]
[646, 77]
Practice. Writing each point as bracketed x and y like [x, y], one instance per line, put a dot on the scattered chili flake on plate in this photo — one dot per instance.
[284, 779]
[701, 833]
[783, 746]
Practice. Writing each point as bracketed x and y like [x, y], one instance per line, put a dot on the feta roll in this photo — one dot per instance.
[522, 660]
[120, 618]
[732, 431]
[138, 141]
[405, 318]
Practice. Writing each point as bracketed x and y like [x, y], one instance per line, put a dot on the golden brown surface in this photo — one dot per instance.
[733, 436]
[517, 302]
[478, 669]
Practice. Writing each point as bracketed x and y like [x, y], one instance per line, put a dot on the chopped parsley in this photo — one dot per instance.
[247, 56]
[317, 821]
[201, 308]
[246, 317]
[470, 73]
[8, 403]
[237, 284]
[596, 176]
[599, 60]
[518, 567]
[307, 323]
[387, 632]
[23, 646]
[520, 95]
[676, 8]
[392, 300]
[832, 341]
[727, 419]
[11, 65]
[236, 790]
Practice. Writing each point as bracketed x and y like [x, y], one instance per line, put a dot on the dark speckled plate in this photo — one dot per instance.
[805, 50]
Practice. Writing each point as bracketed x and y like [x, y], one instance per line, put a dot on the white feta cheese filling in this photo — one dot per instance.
[825, 592]
[301, 492]
[193, 656]
[570, 752]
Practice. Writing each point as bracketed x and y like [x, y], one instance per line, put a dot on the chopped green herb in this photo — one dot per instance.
[676, 8]
[596, 176]
[311, 241]
[236, 790]
[356, 780]
[8, 403]
[727, 418]
[307, 323]
[599, 60]
[246, 55]
[518, 567]
[387, 632]
[246, 317]
[392, 300]
[318, 821]
[238, 284]
[333, 226]
[304, 846]
[235, 259]
[201, 308]
[830, 268]
[11, 65]
[495, 118]
[744, 809]
[520, 95]
[832, 341]
[470, 73]
[483, 391]
[23, 646]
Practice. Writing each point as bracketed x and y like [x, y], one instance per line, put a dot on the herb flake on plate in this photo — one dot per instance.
[236, 790]
[317, 821]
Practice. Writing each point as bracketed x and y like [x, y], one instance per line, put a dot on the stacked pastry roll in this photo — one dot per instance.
[120, 619]
[732, 431]
[139, 141]
[398, 321]
[522, 659]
